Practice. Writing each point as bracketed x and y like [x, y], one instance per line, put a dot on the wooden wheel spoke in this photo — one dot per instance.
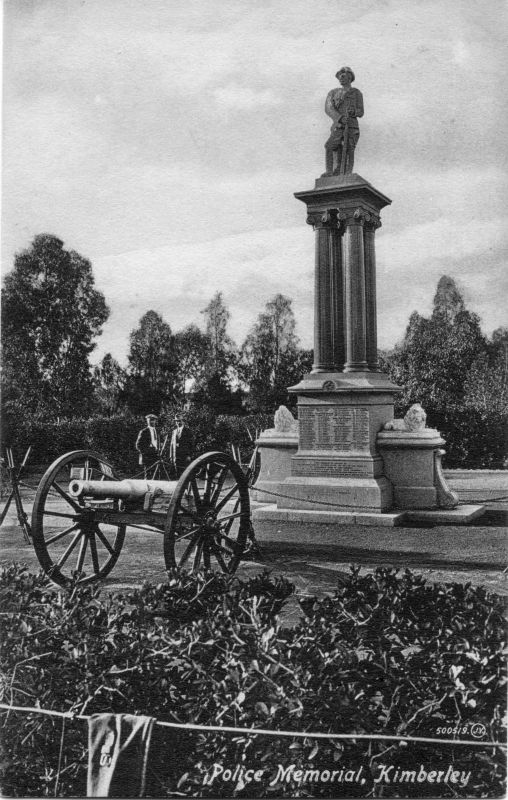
[60, 535]
[225, 550]
[103, 539]
[61, 561]
[93, 551]
[232, 542]
[227, 497]
[211, 475]
[189, 547]
[220, 483]
[195, 492]
[188, 512]
[66, 497]
[6, 507]
[198, 553]
[206, 558]
[185, 535]
[165, 471]
[231, 517]
[208, 484]
[82, 553]
[218, 556]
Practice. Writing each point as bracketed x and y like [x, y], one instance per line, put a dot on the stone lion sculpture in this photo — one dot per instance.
[414, 420]
[284, 421]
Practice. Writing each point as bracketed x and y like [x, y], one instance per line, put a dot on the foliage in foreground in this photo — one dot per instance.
[387, 653]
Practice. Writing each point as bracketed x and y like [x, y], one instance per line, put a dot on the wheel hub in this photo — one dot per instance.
[210, 522]
[86, 520]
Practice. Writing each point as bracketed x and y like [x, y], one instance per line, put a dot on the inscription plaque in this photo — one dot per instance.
[338, 429]
[332, 468]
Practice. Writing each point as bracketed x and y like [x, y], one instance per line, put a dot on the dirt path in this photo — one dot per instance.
[444, 554]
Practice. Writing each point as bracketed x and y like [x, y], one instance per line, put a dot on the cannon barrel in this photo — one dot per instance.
[129, 489]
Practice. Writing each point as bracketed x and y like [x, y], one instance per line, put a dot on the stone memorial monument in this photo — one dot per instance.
[345, 400]
[348, 462]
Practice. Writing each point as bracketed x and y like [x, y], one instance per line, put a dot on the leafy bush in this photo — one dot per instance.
[115, 436]
[219, 432]
[387, 654]
[48, 439]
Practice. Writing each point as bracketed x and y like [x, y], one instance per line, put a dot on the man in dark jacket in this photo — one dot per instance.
[148, 443]
[180, 450]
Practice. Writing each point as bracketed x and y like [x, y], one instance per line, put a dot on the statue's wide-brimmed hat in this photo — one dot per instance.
[345, 69]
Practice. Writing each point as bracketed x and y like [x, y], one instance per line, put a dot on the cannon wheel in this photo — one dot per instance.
[71, 546]
[208, 518]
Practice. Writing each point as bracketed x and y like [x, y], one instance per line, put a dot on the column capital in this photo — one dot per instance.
[324, 219]
[358, 216]
[373, 223]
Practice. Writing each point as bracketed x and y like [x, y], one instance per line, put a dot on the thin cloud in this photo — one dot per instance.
[242, 98]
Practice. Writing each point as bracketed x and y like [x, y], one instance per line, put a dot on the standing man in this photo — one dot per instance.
[344, 106]
[180, 451]
[148, 444]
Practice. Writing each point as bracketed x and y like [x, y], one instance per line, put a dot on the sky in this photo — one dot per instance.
[164, 140]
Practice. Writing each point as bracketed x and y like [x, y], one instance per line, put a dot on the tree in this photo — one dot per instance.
[447, 364]
[448, 301]
[192, 350]
[220, 371]
[486, 412]
[486, 404]
[109, 379]
[51, 313]
[152, 370]
[499, 347]
[222, 347]
[270, 360]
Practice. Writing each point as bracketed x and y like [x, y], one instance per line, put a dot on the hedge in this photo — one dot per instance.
[387, 654]
[115, 436]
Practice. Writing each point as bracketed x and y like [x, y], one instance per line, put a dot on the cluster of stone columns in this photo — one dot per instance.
[345, 317]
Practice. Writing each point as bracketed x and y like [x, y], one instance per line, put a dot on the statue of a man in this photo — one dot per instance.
[344, 105]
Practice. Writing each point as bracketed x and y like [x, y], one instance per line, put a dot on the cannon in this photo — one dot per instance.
[82, 511]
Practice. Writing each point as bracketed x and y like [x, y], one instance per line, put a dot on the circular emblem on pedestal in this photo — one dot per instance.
[329, 386]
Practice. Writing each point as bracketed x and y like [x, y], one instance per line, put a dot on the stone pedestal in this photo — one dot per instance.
[345, 401]
[412, 463]
[337, 466]
[275, 453]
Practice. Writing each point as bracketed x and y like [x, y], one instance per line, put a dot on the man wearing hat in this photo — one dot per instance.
[180, 451]
[148, 443]
[344, 105]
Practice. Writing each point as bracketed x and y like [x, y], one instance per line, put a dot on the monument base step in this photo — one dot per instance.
[262, 512]
[446, 516]
[270, 513]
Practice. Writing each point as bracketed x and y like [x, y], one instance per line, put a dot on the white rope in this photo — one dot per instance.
[265, 732]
